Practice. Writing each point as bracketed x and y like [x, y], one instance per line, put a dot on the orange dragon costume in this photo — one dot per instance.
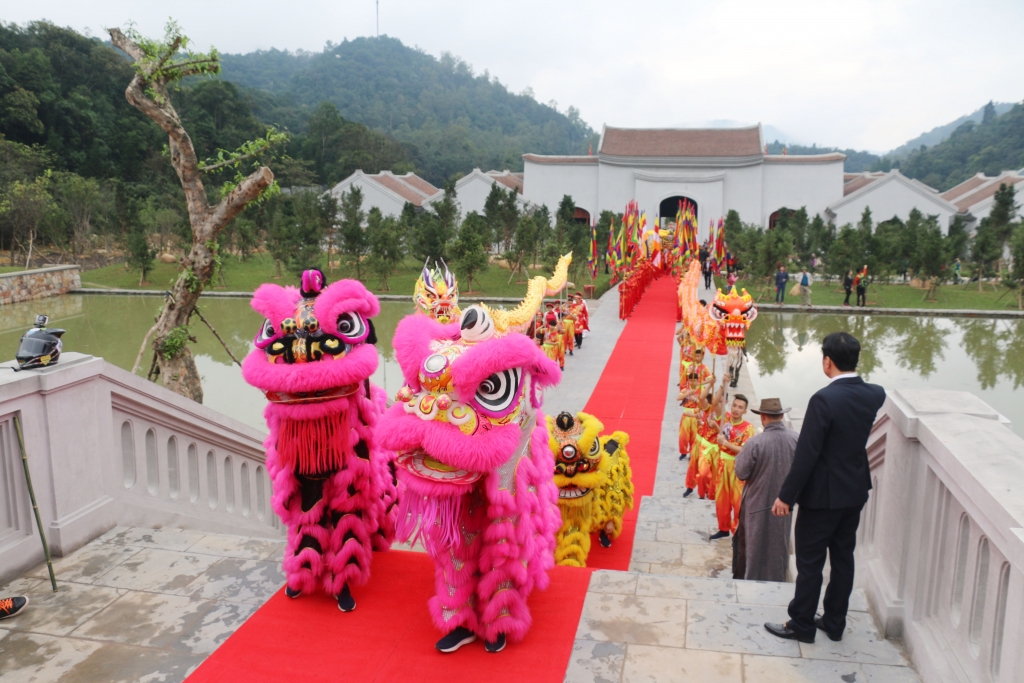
[594, 480]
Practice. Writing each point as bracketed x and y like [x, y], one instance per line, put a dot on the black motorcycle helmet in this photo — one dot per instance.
[39, 347]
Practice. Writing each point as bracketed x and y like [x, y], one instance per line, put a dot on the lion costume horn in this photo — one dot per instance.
[519, 318]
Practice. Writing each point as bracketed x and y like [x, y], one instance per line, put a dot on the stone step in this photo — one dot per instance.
[638, 626]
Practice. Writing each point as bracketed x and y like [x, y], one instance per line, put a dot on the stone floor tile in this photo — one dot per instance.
[639, 567]
[115, 663]
[685, 588]
[607, 581]
[212, 628]
[647, 664]
[60, 613]
[22, 586]
[165, 539]
[154, 569]
[646, 531]
[31, 657]
[236, 546]
[677, 570]
[653, 551]
[765, 593]
[879, 673]
[735, 628]
[278, 555]
[861, 643]
[673, 532]
[149, 619]
[248, 581]
[632, 619]
[87, 563]
[758, 669]
[595, 662]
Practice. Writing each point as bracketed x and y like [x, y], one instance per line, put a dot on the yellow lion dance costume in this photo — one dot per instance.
[595, 484]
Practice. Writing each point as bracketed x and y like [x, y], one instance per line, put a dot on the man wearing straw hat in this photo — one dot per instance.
[761, 544]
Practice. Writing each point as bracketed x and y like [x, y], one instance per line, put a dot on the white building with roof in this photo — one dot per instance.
[389, 192]
[975, 196]
[717, 169]
[888, 195]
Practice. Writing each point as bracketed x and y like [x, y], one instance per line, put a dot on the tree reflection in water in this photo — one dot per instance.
[916, 344]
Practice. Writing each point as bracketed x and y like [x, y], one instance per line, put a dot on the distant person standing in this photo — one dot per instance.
[805, 288]
[761, 544]
[848, 287]
[956, 272]
[781, 278]
[707, 269]
[861, 283]
[830, 479]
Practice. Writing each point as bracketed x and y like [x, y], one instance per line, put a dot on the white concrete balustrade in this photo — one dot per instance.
[107, 447]
[941, 551]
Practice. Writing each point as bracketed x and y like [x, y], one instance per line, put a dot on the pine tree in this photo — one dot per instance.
[468, 251]
[353, 234]
[436, 228]
[386, 237]
[141, 256]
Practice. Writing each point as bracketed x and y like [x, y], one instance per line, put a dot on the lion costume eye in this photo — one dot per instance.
[498, 392]
[267, 334]
[351, 327]
[595, 448]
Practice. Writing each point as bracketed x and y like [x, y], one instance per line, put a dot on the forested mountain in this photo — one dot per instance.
[451, 118]
[940, 133]
[990, 147]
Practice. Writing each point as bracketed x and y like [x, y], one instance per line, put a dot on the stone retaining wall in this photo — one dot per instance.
[25, 285]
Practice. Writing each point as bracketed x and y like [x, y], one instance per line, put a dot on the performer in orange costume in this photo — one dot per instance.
[553, 345]
[704, 457]
[730, 489]
[695, 381]
[579, 309]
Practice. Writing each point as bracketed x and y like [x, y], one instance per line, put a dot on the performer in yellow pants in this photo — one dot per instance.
[694, 383]
[729, 489]
[704, 457]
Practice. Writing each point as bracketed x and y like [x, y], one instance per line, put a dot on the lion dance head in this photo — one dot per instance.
[733, 312]
[437, 293]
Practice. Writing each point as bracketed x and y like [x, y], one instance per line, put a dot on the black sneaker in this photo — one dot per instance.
[456, 639]
[684, 456]
[292, 593]
[346, 603]
[719, 535]
[605, 541]
[10, 607]
[496, 646]
[688, 492]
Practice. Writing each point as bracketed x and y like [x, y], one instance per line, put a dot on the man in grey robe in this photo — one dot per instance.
[761, 543]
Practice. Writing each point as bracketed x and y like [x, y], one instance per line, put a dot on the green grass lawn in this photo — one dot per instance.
[246, 276]
[964, 296]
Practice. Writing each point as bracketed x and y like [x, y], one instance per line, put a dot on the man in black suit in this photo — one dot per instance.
[830, 479]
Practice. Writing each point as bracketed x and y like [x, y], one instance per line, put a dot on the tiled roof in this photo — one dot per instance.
[419, 184]
[804, 158]
[396, 185]
[858, 181]
[510, 180]
[965, 187]
[681, 142]
[987, 191]
[554, 159]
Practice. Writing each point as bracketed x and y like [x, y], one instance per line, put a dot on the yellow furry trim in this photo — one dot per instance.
[616, 496]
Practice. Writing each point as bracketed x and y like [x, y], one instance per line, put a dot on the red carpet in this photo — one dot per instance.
[630, 395]
[389, 638]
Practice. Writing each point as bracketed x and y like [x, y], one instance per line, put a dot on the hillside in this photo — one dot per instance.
[941, 133]
[988, 148]
[450, 118]
[856, 161]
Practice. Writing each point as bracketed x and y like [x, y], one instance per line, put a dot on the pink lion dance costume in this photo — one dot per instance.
[475, 466]
[334, 488]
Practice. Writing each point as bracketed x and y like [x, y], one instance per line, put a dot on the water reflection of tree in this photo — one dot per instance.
[915, 343]
[997, 349]
[766, 342]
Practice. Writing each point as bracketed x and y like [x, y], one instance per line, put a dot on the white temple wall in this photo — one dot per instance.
[793, 185]
[545, 184]
[743, 190]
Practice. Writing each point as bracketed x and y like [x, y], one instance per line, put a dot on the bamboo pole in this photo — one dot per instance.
[35, 507]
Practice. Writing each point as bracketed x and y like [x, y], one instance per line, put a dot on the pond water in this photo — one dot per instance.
[113, 327]
[982, 356]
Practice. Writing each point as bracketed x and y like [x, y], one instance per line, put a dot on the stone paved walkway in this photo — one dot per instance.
[136, 605]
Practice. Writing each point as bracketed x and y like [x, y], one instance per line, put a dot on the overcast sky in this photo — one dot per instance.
[868, 75]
